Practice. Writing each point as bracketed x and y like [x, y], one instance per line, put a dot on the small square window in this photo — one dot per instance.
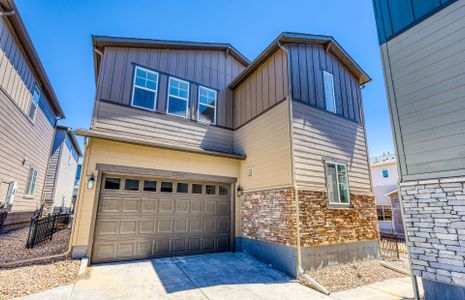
[166, 187]
[223, 190]
[131, 185]
[150, 186]
[210, 189]
[182, 187]
[385, 173]
[196, 189]
[112, 183]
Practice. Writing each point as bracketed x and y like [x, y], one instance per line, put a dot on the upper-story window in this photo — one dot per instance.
[178, 97]
[385, 173]
[34, 103]
[144, 93]
[337, 183]
[330, 99]
[206, 111]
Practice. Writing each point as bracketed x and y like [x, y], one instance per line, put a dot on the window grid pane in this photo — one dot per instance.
[145, 88]
[178, 97]
[337, 183]
[207, 105]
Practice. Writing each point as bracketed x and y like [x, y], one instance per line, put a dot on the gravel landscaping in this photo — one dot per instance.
[13, 245]
[22, 281]
[348, 276]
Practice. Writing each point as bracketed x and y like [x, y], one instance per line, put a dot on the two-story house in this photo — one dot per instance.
[422, 48]
[61, 173]
[192, 149]
[29, 111]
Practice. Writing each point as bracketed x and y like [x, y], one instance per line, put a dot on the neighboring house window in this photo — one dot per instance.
[385, 173]
[144, 93]
[31, 182]
[34, 103]
[206, 111]
[178, 97]
[384, 212]
[337, 183]
[330, 99]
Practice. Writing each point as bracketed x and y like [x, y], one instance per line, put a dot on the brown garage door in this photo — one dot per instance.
[156, 217]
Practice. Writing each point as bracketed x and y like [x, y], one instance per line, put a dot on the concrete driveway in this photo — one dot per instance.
[210, 276]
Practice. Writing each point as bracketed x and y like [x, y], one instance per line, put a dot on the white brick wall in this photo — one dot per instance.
[434, 215]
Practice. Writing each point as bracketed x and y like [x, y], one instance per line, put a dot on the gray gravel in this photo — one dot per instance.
[13, 245]
[26, 280]
[348, 276]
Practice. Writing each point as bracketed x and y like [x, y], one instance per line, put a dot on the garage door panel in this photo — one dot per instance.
[144, 224]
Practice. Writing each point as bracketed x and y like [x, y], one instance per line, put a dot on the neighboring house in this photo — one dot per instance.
[192, 149]
[29, 110]
[384, 178]
[423, 54]
[77, 181]
[61, 173]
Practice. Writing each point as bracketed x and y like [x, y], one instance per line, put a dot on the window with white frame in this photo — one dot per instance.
[384, 212]
[337, 183]
[31, 182]
[178, 97]
[145, 87]
[330, 99]
[34, 103]
[206, 110]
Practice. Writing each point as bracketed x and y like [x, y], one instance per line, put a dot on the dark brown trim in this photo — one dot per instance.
[176, 175]
[119, 138]
[263, 112]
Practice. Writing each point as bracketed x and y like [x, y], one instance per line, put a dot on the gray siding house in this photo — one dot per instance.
[422, 46]
[61, 173]
[29, 110]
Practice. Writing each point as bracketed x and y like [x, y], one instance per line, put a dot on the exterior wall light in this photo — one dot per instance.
[91, 182]
[240, 191]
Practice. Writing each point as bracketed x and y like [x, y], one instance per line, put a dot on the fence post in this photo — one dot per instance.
[397, 245]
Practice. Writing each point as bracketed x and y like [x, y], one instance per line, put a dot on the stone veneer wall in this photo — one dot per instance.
[322, 224]
[434, 216]
[397, 214]
[269, 216]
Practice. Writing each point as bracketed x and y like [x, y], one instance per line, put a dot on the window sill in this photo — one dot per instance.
[340, 206]
[28, 197]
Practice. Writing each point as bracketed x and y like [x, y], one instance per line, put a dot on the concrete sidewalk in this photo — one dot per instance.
[400, 288]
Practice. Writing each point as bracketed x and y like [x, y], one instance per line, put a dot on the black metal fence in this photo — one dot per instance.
[392, 244]
[3, 215]
[42, 229]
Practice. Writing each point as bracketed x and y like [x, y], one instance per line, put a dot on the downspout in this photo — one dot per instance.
[300, 271]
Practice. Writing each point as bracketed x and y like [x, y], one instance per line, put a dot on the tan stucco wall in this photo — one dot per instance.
[122, 154]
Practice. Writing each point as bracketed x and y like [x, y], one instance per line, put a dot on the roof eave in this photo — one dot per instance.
[73, 137]
[23, 37]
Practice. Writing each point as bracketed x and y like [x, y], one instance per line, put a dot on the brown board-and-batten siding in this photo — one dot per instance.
[210, 68]
[320, 136]
[23, 144]
[307, 63]
[263, 89]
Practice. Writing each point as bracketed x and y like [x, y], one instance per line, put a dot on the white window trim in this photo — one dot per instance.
[382, 208]
[144, 88]
[177, 97]
[29, 182]
[334, 95]
[212, 106]
[33, 119]
[337, 183]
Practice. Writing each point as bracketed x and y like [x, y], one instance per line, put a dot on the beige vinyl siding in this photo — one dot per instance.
[319, 136]
[161, 128]
[266, 142]
[307, 62]
[50, 179]
[65, 177]
[21, 140]
[265, 87]
[427, 67]
[212, 69]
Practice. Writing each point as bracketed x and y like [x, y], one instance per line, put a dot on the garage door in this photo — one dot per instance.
[157, 217]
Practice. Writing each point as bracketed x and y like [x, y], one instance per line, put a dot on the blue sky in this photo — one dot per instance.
[61, 32]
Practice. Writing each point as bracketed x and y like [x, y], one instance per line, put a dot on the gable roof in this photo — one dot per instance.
[72, 137]
[100, 42]
[10, 12]
[291, 37]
